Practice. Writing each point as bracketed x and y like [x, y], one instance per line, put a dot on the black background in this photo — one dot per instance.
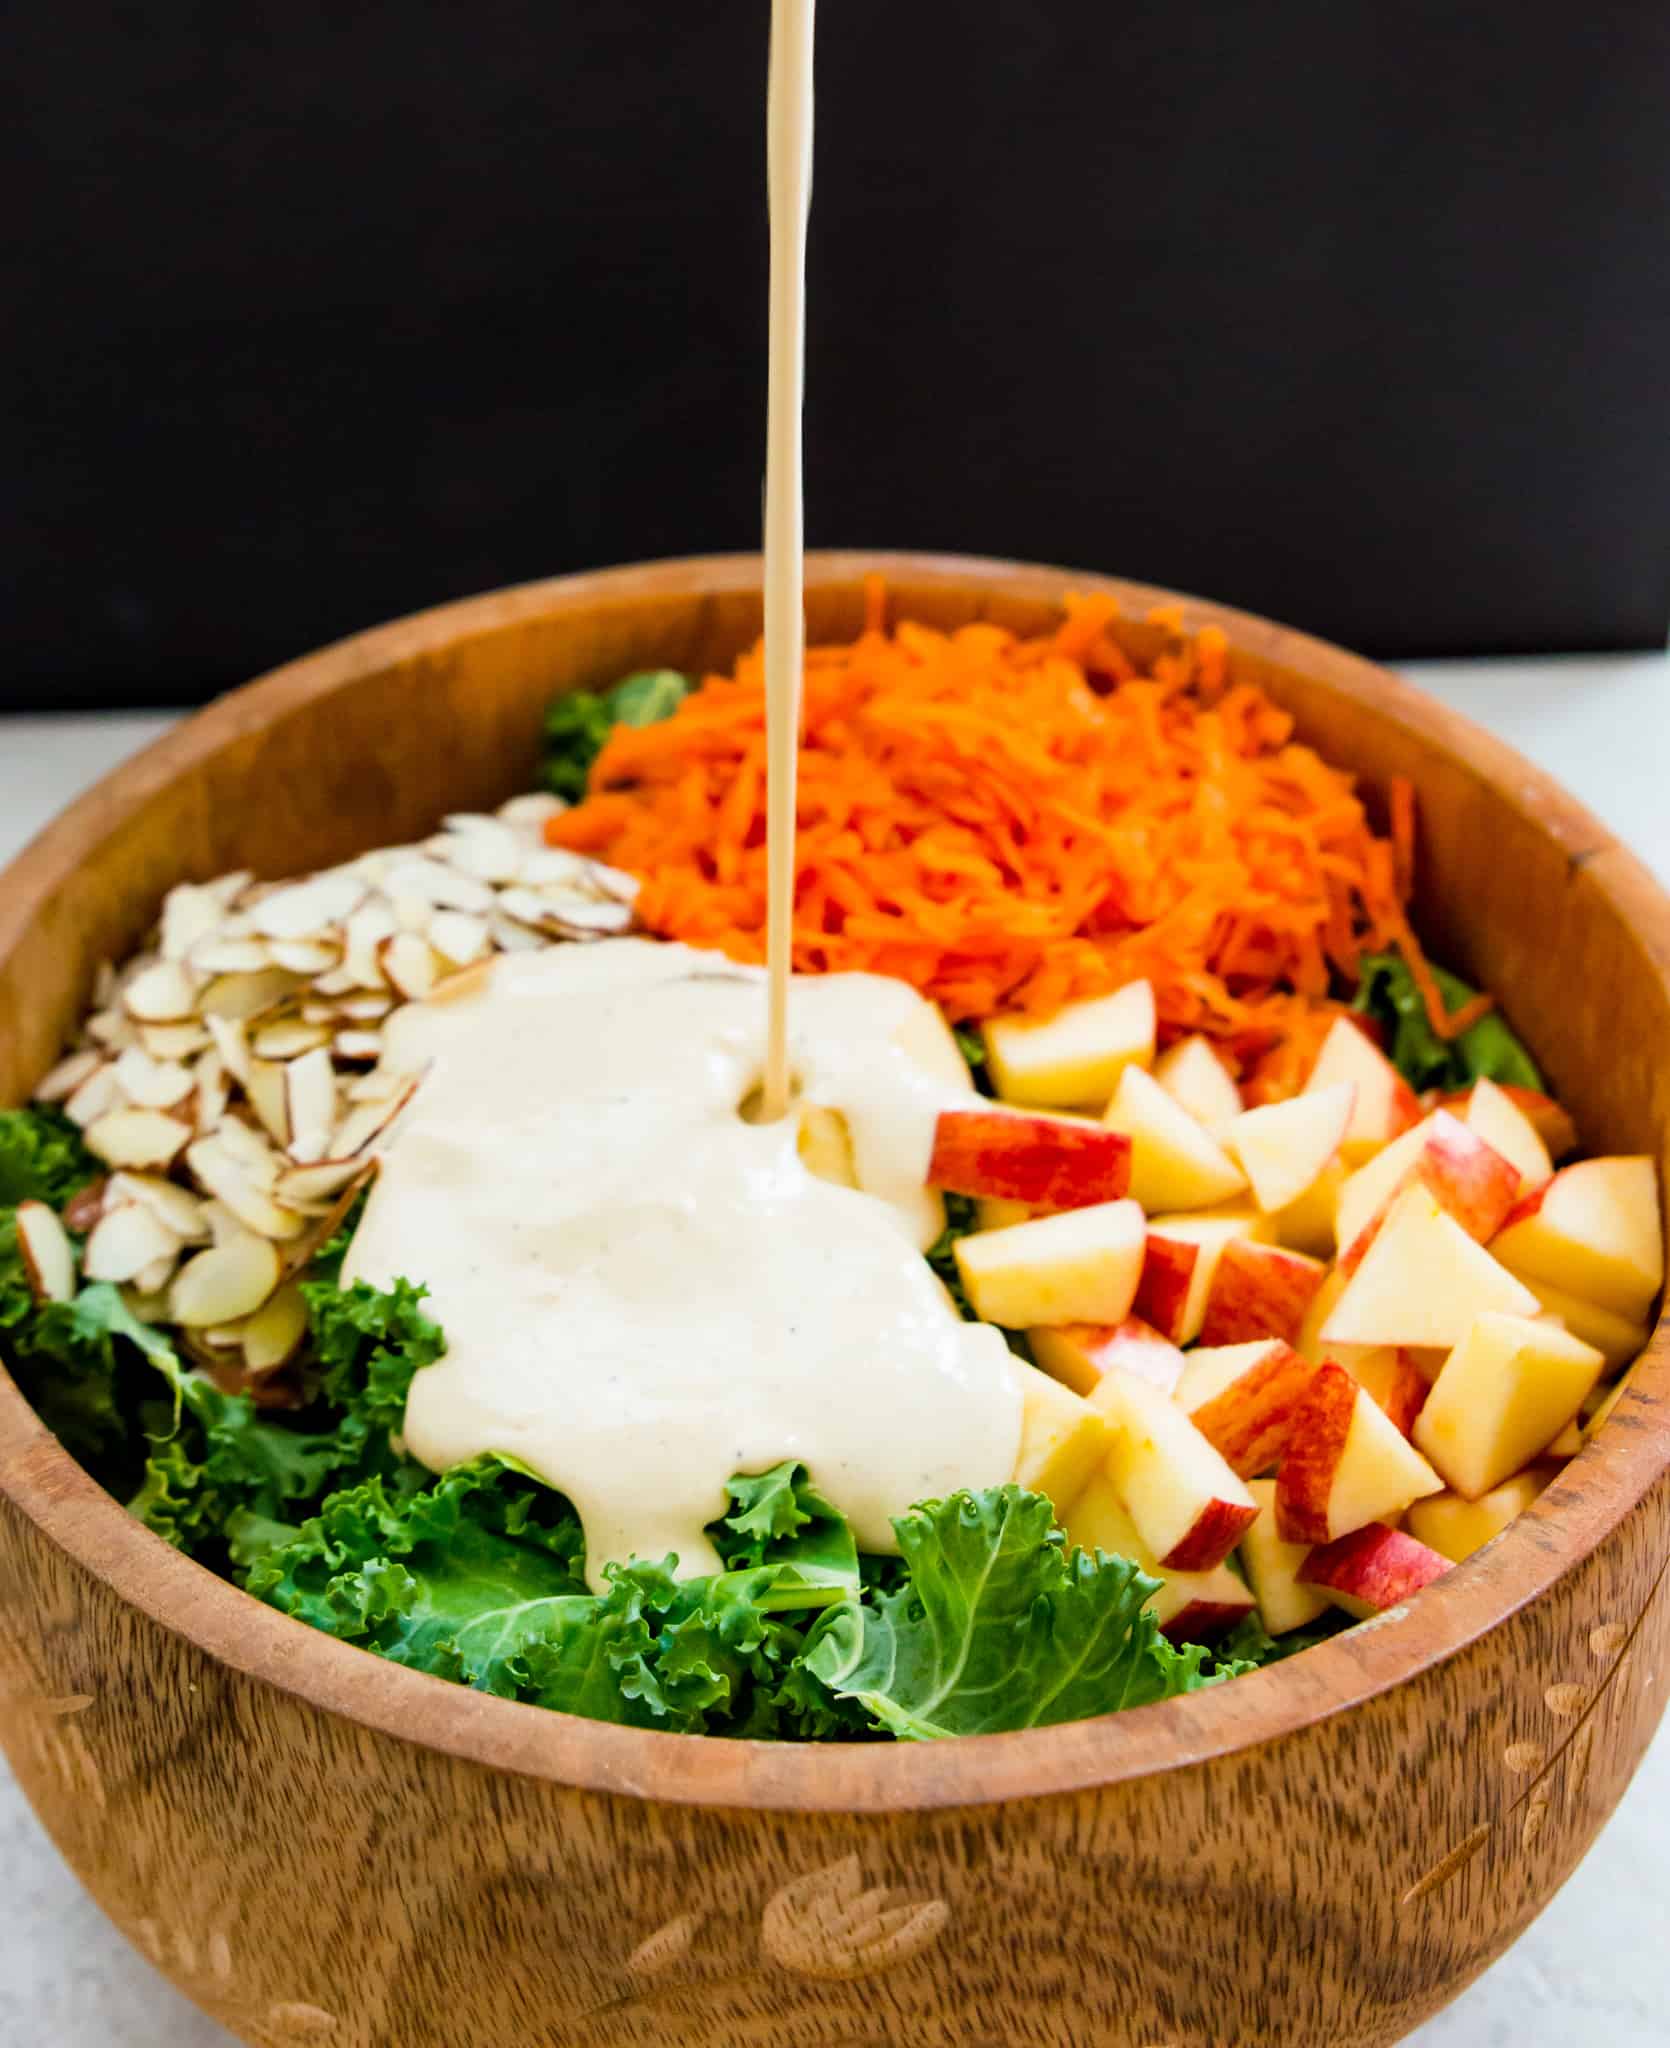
[1358, 315]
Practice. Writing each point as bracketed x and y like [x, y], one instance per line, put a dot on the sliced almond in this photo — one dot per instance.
[225, 1336]
[95, 1097]
[225, 1283]
[149, 1307]
[175, 1207]
[65, 1078]
[364, 932]
[86, 1206]
[442, 887]
[189, 913]
[361, 1126]
[377, 1086]
[315, 1186]
[310, 1103]
[368, 1007]
[287, 1039]
[174, 1041]
[484, 848]
[592, 917]
[226, 889]
[306, 956]
[209, 1075]
[511, 937]
[115, 1030]
[153, 1280]
[459, 936]
[531, 811]
[149, 1083]
[245, 995]
[232, 1043]
[274, 1334]
[265, 1089]
[162, 994]
[338, 982]
[104, 985]
[321, 1229]
[468, 981]
[358, 1043]
[305, 910]
[137, 1137]
[408, 965]
[48, 1255]
[232, 1187]
[550, 867]
[222, 1223]
[315, 1011]
[224, 953]
[615, 882]
[125, 1241]
[412, 913]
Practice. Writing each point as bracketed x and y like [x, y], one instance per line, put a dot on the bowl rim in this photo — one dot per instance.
[1591, 1497]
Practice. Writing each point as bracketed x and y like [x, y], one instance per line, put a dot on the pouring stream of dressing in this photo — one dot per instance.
[789, 183]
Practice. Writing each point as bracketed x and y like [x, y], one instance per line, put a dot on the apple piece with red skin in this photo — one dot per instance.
[1243, 1398]
[1188, 1506]
[1470, 1180]
[1346, 1463]
[1079, 1266]
[1422, 1282]
[1259, 1290]
[1049, 1162]
[1492, 1112]
[1593, 1230]
[1073, 1059]
[1371, 1569]
[1190, 1607]
[1180, 1262]
[1545, 1116]
[1081, 1355]
[1385, 1104]
[1392, 1379]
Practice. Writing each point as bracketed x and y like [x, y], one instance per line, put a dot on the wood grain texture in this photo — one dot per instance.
[320, 1847]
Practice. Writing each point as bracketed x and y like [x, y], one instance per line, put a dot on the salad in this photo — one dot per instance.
[1234, 1287]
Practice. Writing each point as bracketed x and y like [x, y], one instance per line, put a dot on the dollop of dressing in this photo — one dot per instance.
[642, 1292]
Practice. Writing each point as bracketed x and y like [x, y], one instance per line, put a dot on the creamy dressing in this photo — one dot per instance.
[643, 1292]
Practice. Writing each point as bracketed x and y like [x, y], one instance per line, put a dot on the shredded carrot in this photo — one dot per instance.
[1012, 823]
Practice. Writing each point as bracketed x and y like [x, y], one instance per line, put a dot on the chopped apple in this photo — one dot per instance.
[1273, 1567]
[1243, 1399]
[1190, 1607]
[1372, 1186]
[1506, 1391]
[1545, 1116]
[995, 1212]
[1617, 1338]
[1051, 1162]
[1195, 1077]
[1259, 1290]
[1372, 1569]
[825, 1145]
[1567, 1444]
[1423, 1281]
[1391, 1378]
[1181, 1262]
[1074, 1059]
[1063, 1439]
[1469, 1180]
[1176, 1163]
[48, 1257]
[1309, 1342]
[1284, 1147]
[1504, 1126]
[1188, 1506]
[1079, 1267]
[1455, 1527]
[928, 1042]
[1593, 1230]
[1385, 1104]
[1346, 1465]
[1310, 1223]
[1081, 1355]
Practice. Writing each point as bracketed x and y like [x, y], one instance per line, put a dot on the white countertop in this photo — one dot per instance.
[1595, 1961]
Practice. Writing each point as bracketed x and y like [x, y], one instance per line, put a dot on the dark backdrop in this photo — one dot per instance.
[1359, 315]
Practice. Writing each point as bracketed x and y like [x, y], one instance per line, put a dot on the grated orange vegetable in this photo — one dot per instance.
[1012, 823]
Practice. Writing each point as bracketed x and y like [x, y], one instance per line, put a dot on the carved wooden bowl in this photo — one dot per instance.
[321, 1847]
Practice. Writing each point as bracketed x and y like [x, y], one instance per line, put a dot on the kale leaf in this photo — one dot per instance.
[577, 724]
[1388, 993]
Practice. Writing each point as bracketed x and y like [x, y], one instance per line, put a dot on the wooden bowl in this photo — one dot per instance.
[321, 1847]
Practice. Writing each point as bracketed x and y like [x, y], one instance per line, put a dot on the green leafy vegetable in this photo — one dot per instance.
[577, 724]
[1249, 1646]
[960, 1219]
[1388, 993]
[42, 1158]
[781, 1518]
[999, 1627]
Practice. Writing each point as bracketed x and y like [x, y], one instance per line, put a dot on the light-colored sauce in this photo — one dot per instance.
[644, 1293]
[789, 183]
